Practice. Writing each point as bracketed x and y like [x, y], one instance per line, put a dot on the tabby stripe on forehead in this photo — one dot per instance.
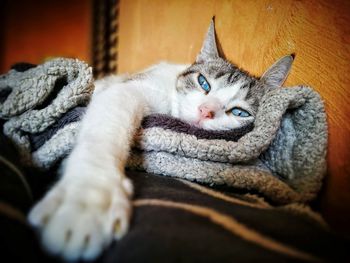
[187, 72]
[252, 83]
[247, 85]
[233, 77]
[244, 86]
[250, 93]
[220, 74]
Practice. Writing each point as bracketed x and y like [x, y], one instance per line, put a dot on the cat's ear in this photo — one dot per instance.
[209, 49]
[278, 72]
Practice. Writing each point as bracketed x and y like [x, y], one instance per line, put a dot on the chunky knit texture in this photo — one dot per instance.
[38, 97]
[282, 156]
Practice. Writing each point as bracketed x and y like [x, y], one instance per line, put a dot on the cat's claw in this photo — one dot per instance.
[78, 222]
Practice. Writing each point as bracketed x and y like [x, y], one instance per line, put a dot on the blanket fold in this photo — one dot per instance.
[281, 156]
[38, 97]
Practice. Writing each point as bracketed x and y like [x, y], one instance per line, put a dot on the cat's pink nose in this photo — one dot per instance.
[206, 112]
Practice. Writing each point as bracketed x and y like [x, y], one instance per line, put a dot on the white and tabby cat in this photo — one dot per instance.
[90, 205]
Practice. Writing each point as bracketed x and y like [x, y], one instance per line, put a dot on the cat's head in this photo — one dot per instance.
[214, 94]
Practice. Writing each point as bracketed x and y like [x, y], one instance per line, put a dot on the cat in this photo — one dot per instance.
[91, 203]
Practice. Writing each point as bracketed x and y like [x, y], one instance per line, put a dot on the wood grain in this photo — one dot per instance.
[253, 34]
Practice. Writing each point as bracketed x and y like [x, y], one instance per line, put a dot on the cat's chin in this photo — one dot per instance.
[197, 124]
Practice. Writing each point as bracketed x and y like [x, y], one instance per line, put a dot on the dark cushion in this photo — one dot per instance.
[17, 240]
[173, 221]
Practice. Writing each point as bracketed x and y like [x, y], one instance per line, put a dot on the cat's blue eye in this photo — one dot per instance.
[203, 83]
[240, 112]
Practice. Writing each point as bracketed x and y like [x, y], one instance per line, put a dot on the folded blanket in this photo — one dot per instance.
[282, 157]
[33, 98]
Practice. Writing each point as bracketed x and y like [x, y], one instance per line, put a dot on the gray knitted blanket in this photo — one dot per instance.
[282, 157]
[33, 99]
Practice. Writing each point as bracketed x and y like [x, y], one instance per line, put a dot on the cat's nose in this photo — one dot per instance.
[205, 112]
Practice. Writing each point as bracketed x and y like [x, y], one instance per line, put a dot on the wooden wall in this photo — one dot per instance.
[33, 31]
[253, 34]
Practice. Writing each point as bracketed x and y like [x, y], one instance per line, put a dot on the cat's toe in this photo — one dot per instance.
[75, 232]
[127, 186]
[121, 210]
[42, 212]
[87, 240]
[56, 233]
[121, 218]
[92, 247]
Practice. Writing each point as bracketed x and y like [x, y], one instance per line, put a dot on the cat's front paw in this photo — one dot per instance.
[77, 221]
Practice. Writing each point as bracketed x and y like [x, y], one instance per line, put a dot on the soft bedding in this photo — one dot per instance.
[240, 195]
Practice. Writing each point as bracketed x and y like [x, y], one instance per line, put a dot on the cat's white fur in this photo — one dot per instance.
[92, 199]
[90, 205]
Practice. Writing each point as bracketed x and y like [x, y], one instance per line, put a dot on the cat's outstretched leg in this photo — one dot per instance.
[79, 220]
[90, 205]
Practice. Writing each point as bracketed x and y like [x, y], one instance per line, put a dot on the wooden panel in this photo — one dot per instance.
[253, 34]
[33, 31]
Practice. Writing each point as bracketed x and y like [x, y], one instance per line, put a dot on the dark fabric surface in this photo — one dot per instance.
[13, 183]
[174, 235]
[165, 233]
[19, 187]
